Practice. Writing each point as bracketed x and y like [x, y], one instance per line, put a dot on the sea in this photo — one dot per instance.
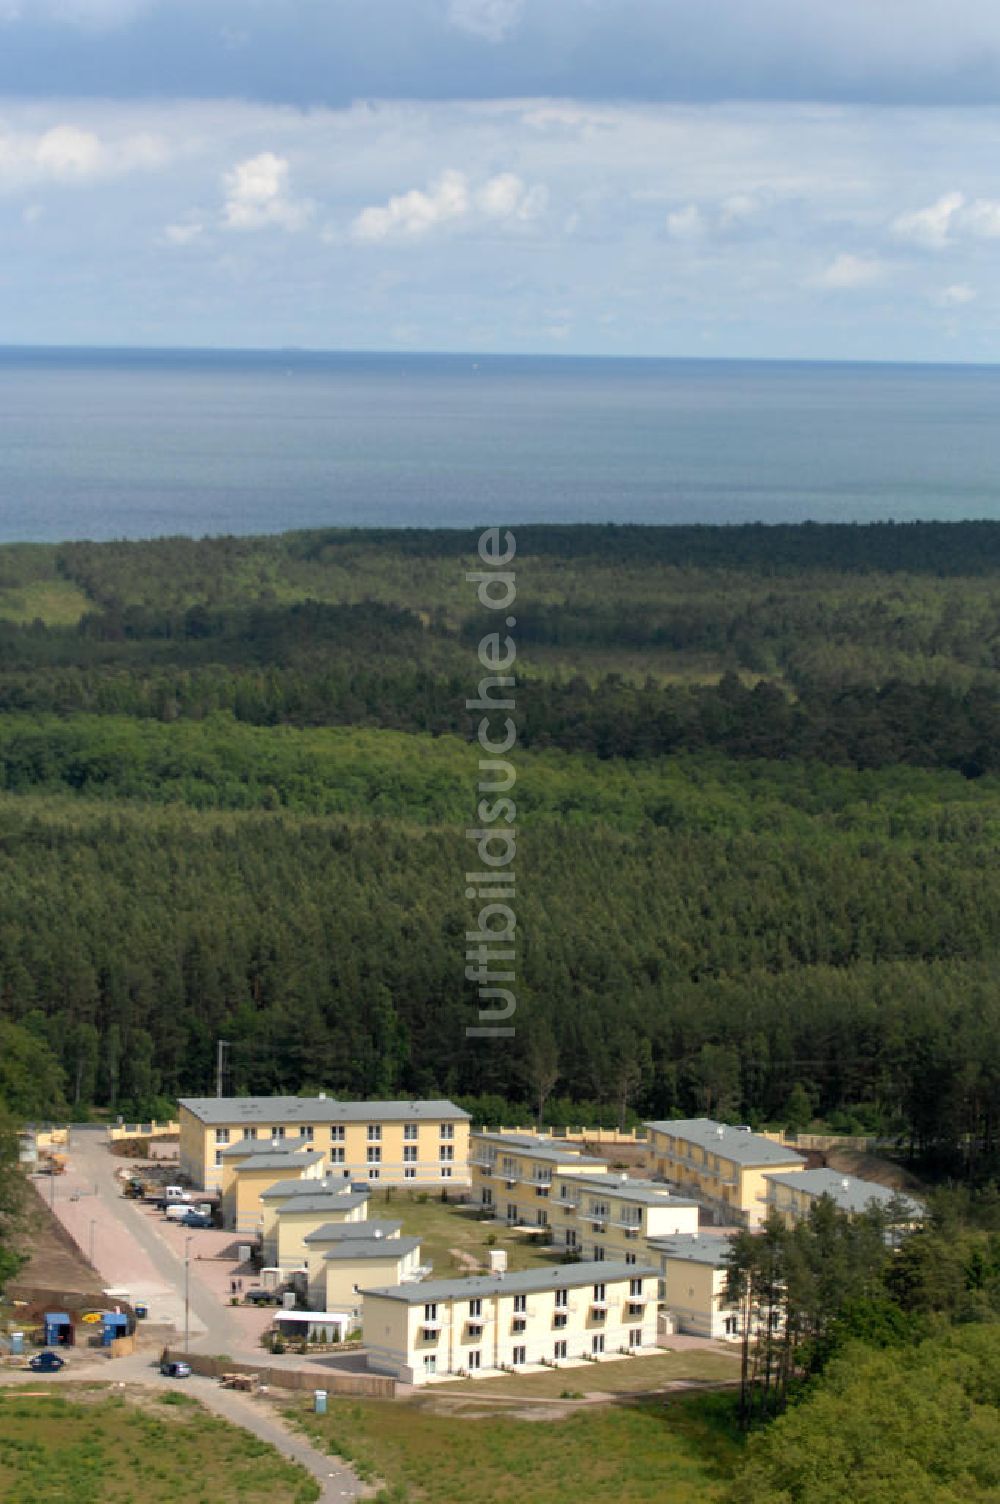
[143, 443]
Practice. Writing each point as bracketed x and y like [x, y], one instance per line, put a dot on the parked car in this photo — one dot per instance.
[176, 1369]
[193, 1219]
[46, 1362]
[260, 1297]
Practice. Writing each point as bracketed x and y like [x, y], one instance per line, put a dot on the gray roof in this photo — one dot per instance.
[849, 1192]
[325, 1203]
[339, 1232]
[558, 1277]
[741, 1145]
[245, 1147]
[269, 1161]
[330, 1185]
[645, 1192]
[284, 1110]
[697, 1248]
[372, 1248]
[548, 1150]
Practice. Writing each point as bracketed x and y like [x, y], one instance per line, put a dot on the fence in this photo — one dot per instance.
[820, 1141]
[580, 1135]
[366, 1385]
[143, 1130]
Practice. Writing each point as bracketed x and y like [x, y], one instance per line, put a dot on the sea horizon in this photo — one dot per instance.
[144, 441]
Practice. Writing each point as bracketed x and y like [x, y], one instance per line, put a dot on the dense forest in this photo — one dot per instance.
[758, 809]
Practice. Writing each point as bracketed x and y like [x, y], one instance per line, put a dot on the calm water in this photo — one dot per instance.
[101, 444]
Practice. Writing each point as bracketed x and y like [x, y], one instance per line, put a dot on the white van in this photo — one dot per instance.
[176, 1193]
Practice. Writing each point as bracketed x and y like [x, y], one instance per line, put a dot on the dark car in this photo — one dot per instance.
[46, 1362]
[195, 1219]
[259, 1297]
[176, 1369]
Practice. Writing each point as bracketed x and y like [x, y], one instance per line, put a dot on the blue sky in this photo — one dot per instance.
[679, 177]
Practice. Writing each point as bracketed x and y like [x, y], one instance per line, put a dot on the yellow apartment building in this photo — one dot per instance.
[249, 1177]
[511, 1174]
[794, 1193]
[492, 1323]
[302, 1215]
[419, 1144]
[276, 1196]
[693, 1285]
[344, 1260]
[612, 1216]
[720, 1166]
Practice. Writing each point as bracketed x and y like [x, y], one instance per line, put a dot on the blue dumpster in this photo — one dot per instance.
[58, 1329]
[319, 1401]
[113, 1325]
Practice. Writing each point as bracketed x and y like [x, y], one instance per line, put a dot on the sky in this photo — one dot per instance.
[756, 178]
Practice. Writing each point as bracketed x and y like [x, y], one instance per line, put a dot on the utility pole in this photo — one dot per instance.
[220, 1069]
[187, 1292]
[93, 1224]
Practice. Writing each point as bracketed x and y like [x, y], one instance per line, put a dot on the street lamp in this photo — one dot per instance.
[187, 1291]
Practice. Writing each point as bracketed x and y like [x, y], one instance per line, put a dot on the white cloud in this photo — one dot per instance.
[491, 19]
[504, 198]
[68, 153]
[846, 272]
[184, 233]
[982, 218]
[956, 295]
[257, 196]
[686, 224]
[933, 225]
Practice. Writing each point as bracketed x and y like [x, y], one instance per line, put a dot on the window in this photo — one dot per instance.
[277, 1132]
[487, 1197]
[374, 1133]
[475, 1308]
[511, 1212]
[337, 1156]
[598, 1254]
[374, 1154]
[411, 1131]
[430, 1363]
[409, 1154]
[600, 1294]
[431, 1312]
[520, 1304]
[634, 1312]
[447, 1130]
[409, 1173]
[307, 1131]
[630, 1258]
[635, 1287]
[732, 1326]
[445, 1172]
[519, 1355]
[571, 1237]
[337, 1133]
[446, 1153]
[635, 1336]
[559, 1350]
[541, 1218]
[475, 1358]
[519, 1324]
[249, 1133]
[218, 1157]
[560, 1319]
[222, 1135]
[374, 1174]
[562, 1300]
[597, 1343]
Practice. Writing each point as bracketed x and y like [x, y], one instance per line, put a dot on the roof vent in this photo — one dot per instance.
[720, 1131]
[378, 1232]
[845, 1184]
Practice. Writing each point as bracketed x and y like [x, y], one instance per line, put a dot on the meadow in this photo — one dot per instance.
[88, 1447]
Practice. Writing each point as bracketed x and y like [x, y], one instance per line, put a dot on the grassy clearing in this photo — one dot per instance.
[680, 1452]
[91, 1449]
[442, 1227]
[629, 1376]
[58, 603]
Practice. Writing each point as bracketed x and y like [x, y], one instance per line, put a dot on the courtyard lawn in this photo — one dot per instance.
[443, 1226]
[680, 1452]
[160, 1447]
[624, 1376]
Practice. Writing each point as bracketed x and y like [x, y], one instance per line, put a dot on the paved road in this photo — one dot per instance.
[130, 1253]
